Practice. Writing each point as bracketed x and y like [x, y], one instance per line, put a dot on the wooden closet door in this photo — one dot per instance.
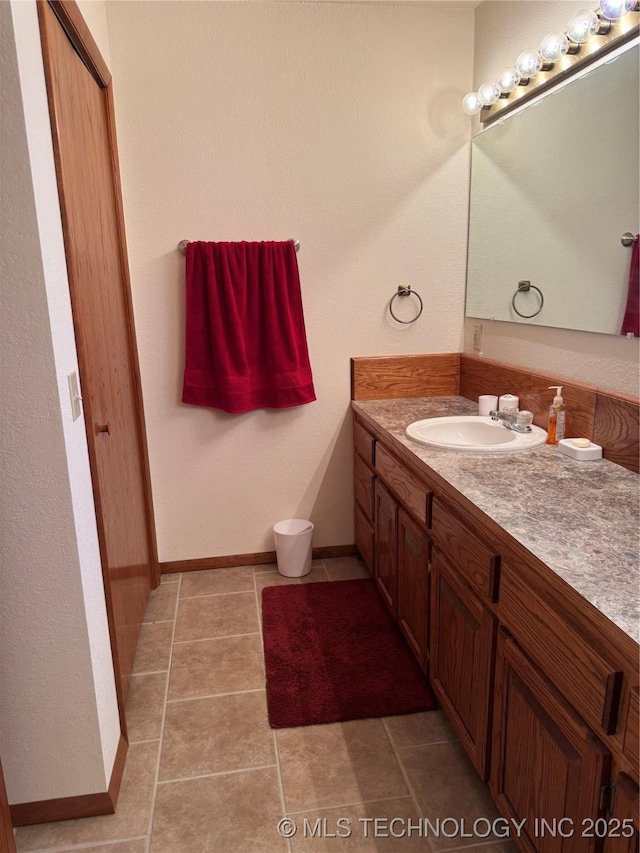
[88, 183]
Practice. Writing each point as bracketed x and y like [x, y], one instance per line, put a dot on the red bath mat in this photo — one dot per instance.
[334, 653]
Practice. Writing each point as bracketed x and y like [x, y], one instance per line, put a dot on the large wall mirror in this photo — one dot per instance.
[553, 188]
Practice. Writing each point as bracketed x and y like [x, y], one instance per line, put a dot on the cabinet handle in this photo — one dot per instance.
[104, 428]
[494, 578]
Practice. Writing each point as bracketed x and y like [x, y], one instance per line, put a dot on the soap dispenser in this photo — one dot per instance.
[555, 430]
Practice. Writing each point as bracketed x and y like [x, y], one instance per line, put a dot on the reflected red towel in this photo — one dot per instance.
[246, 346]
[631, 322]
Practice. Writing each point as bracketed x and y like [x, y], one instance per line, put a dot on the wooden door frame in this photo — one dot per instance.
[75, 27]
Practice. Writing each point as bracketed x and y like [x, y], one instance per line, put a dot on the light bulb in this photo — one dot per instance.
[614, 9]
[582, 26]
[529, 63]
[471, 104]
[509, 79]
[554, 46]
[488, 94]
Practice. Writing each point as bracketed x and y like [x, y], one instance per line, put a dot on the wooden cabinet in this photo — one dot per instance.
[546, 764]
[414, 553]
[386, 547]
[541, 690]
[462, 639]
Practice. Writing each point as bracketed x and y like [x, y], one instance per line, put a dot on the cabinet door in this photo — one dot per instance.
[364, 537]
[546, 765]
[386, 548]
[414, 552]
[623, 826]
[462, 639]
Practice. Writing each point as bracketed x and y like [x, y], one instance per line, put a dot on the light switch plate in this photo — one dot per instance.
[477, 337]
[74, 393]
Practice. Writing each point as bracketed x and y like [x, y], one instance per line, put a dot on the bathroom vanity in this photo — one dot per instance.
[514, 580]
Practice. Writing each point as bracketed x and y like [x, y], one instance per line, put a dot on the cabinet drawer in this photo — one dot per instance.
[409, 490]
[363, 487]
[364, 538]
[590, 684]
[364, 443]
[478, 564]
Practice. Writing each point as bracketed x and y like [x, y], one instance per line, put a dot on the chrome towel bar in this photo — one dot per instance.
[182, 245]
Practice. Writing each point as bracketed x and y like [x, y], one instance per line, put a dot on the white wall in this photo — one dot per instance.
[504, 28]
[336, 124]
[59, 725]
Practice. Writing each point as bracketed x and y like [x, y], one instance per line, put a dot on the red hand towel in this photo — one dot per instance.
[246, 346]
[631, 322]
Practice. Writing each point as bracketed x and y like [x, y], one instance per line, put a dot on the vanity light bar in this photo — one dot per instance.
[588, 36]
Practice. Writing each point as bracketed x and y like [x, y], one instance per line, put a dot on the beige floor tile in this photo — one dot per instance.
[131, 819]
[145, 706]
[232, 813]
[170, 577]
[447, 786]
[266, 567]
[161, 606]
[216, 735]
[338, 764]
[226, 665]
[216, 581]
[391, 833]
[346, 568]
[154, 647]
[216, 616]
[274, 579]
[414, 729]
[138, 845]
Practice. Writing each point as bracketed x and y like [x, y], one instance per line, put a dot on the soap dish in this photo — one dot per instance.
[580, 448]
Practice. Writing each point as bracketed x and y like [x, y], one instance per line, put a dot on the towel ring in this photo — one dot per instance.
[405, 290]
[525, 287]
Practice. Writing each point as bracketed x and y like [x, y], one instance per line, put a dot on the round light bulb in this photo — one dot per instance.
[529, 63]
[509, 79]
[612, 10]
[554, 46]
[471, 104]
[582, 26]
[488, 94]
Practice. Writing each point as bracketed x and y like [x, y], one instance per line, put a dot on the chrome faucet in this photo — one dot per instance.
[513, 420]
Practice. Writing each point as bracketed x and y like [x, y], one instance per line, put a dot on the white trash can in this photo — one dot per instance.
[293, 546]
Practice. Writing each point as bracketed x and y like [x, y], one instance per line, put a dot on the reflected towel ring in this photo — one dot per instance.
[525, 287]
[405, 290]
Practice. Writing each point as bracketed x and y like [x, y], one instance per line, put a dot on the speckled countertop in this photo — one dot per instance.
[580, 518]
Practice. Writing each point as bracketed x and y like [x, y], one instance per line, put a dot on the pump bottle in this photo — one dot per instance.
[555, 430]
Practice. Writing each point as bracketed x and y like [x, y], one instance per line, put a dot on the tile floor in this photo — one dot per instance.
[206, 774]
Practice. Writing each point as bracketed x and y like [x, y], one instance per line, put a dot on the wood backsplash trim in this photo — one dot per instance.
[617, 431]
[483, 376]
[387, 377]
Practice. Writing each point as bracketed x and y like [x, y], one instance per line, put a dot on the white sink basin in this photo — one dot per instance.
[473, 433]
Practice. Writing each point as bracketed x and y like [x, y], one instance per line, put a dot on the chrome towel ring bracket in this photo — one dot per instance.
[525, 287]
[405, 290]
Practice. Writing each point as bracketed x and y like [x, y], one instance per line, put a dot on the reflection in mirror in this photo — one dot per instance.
[553, 188]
